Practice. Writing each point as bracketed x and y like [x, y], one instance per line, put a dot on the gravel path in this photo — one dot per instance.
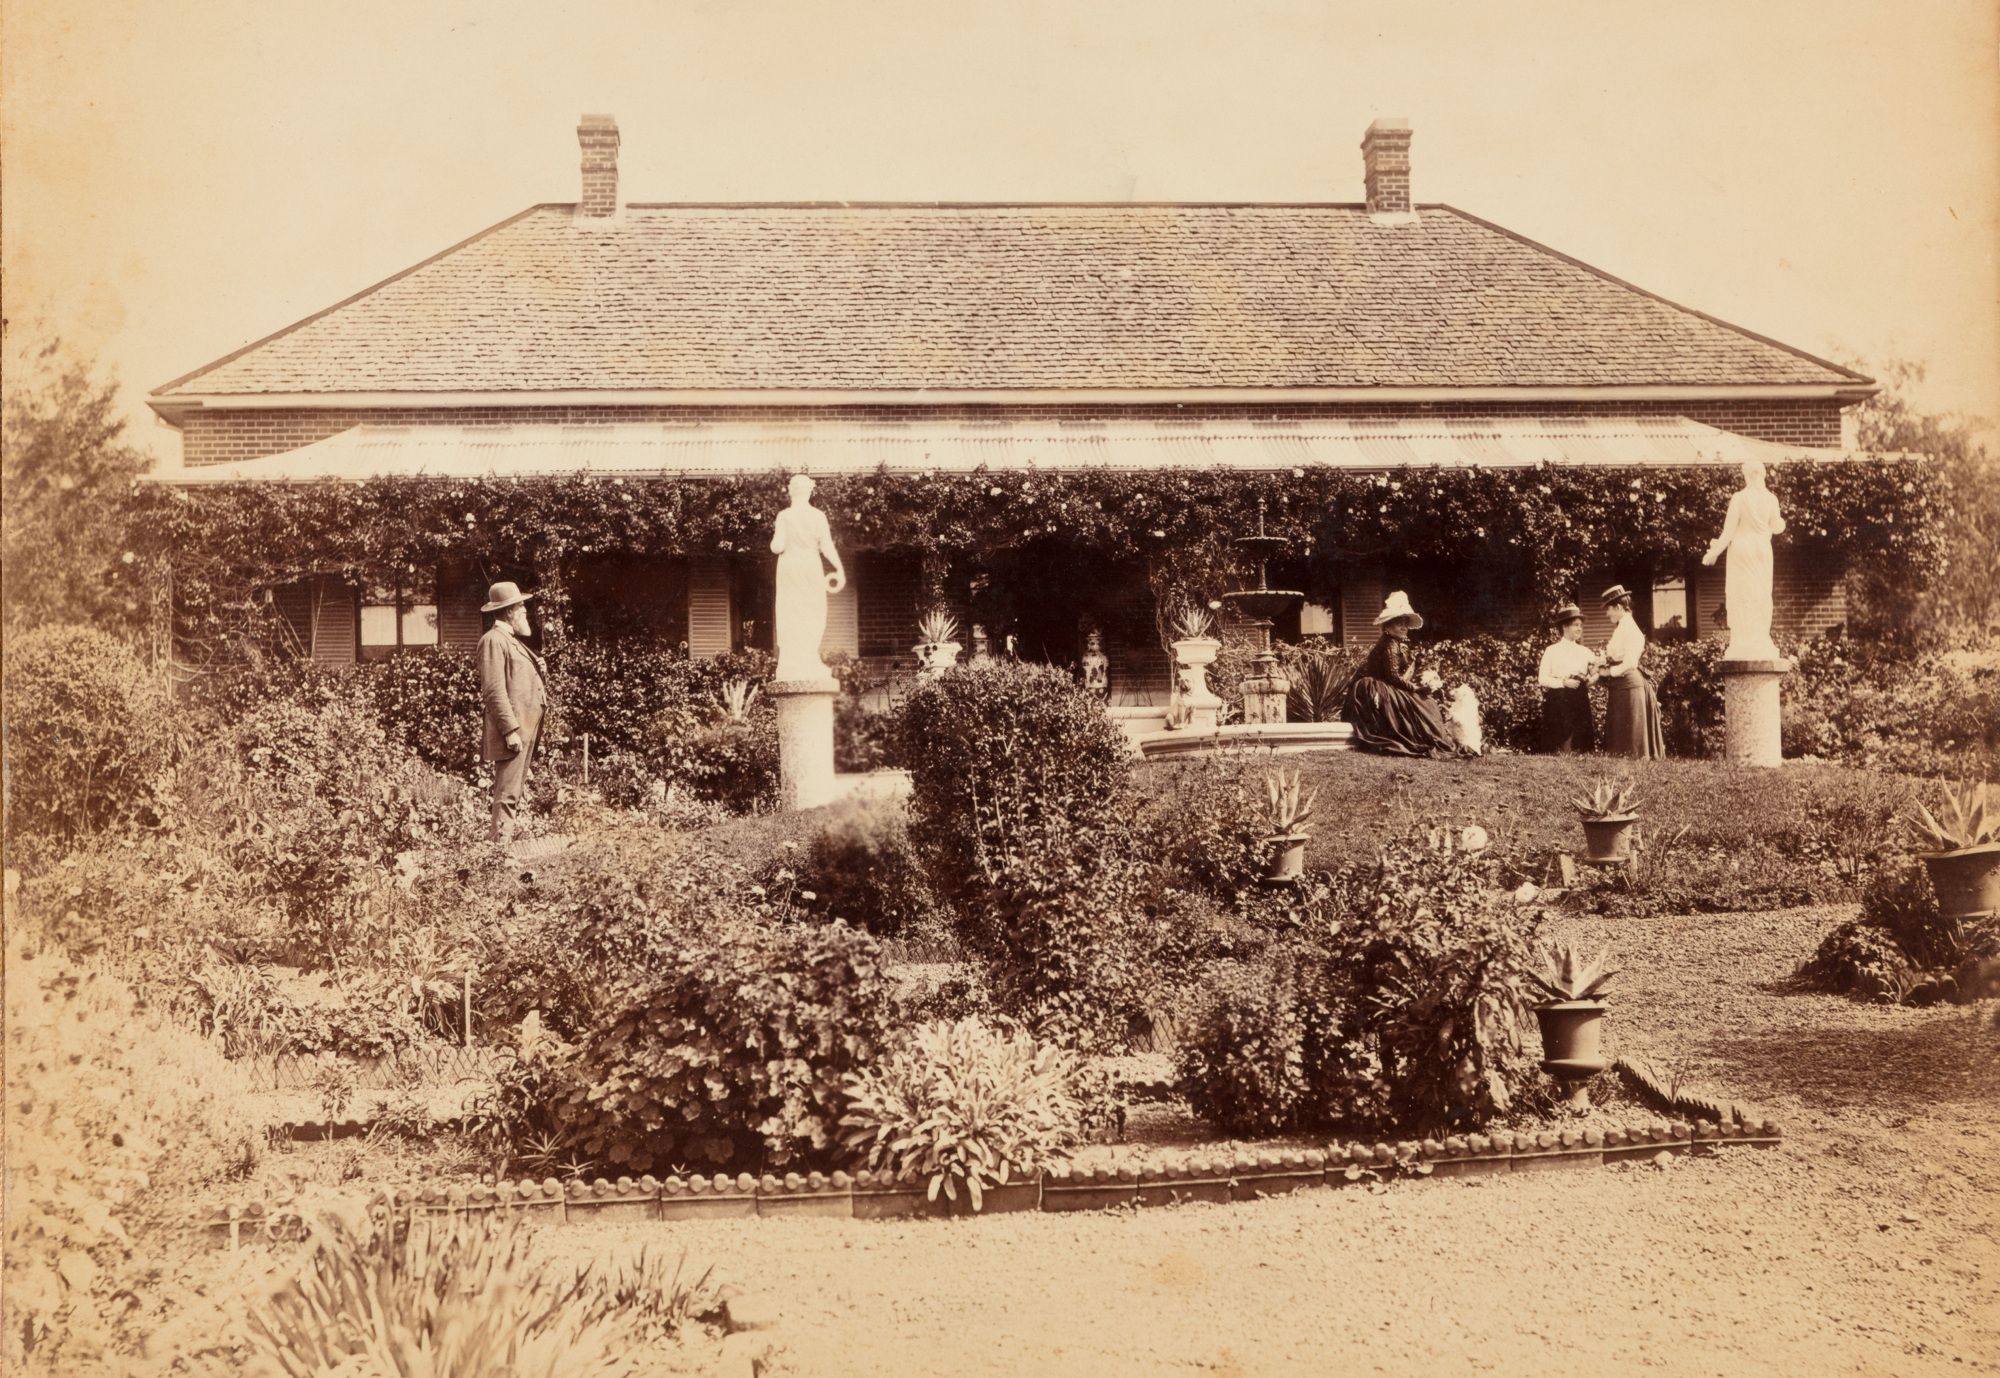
[1865, 1245]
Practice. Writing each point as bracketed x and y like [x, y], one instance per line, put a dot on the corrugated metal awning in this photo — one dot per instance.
[664, 449]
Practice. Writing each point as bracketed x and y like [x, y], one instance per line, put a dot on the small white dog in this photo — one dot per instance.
[1461, 720]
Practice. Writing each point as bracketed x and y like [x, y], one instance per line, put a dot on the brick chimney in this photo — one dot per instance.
[1385, 159]
[599, 136]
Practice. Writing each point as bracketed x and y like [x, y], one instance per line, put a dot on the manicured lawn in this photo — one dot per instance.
[1865, 1244]
[1524, 801]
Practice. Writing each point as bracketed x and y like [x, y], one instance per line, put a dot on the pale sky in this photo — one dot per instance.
[185, 176]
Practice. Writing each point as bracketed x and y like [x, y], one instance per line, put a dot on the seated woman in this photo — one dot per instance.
[1568, 668]
[1384, 705]
[1631, 712]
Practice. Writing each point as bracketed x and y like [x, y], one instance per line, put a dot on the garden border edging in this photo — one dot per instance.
[1205, 1177]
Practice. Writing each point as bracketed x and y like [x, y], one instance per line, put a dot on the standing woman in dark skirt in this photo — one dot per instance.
[1631, 712]
[1387, 709]
[1567, 670]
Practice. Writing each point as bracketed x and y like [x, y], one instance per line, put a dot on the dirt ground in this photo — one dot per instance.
[1865, 1245]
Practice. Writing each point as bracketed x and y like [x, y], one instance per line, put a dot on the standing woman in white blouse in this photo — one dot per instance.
[1568, 667]
[1631, 712]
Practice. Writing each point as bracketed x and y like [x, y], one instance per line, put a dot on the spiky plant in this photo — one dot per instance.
[1962, 820]
[1607, 799]
[1287, 805]
[937, 627]
[1566, 974]
[1192, 623]
[737, 696]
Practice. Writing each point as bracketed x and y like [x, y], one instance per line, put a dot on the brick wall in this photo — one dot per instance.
[214, 437]
[887, 586]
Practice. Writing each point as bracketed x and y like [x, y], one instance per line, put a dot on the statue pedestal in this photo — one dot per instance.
[805, 741]
[1266, 693]
[1753, 721]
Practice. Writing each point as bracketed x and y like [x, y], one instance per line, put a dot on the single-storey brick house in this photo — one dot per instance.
[649, 339]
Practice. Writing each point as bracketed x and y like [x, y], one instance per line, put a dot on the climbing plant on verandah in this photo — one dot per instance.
[1536, 528]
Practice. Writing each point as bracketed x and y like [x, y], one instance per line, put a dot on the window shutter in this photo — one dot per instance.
[710, 616]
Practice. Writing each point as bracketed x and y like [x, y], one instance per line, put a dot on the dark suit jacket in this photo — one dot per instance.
[512, 691]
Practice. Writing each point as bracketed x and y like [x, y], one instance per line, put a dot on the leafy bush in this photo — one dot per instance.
[734, 1053]
[1201, 822]
[429, 703]
[88, 732]
[621, 689]
[861, 866]
[964, 1105]
[1439, 972]
[460, 1297]
[115, 1123]
[1000, 751]
[1268, 1053]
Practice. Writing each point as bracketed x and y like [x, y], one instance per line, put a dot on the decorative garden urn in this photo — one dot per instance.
[1608, 841]
[982, 645]
[1200, 705]
[935, 657]
[1096, 667]
[1967, 881]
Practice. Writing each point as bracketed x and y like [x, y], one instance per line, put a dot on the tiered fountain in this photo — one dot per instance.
[1264, 693]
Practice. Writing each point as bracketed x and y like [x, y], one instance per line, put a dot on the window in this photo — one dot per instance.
[393, 618]
[1670, 605]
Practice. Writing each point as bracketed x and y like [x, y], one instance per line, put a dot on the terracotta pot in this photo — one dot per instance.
[1288, 857]
[1609, 839]
[1573, 1043]
[1967, 881]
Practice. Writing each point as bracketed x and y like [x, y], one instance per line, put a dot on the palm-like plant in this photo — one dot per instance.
[1608, 799]
[1317, 686]
[1961, 822]
[1192, 623]
[1567, 974]
[1288, 806]
[936, 627]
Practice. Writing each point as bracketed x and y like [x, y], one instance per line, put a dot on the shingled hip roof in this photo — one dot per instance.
[908, 298]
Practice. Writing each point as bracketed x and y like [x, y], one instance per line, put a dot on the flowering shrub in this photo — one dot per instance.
[734, 1053]
[88, 733]
[964, 1105]
[114, 1124]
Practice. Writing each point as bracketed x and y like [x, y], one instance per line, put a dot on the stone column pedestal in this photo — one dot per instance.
[1266, 694]
[805, 741]
[1753, 721]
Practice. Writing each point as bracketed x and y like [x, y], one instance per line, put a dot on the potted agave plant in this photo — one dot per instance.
[1287, 809]
[1572, 1017]
[937, 645]
[1961, 849]
[1609, 811]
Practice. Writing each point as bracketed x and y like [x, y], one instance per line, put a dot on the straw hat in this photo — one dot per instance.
[1614, 594]
[1399, 606]
[1568, 612]
[504, 595]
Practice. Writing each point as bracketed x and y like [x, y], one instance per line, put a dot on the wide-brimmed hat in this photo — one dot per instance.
[504, 595]
[1568, 612]
[1613, 594]
[1399, 606]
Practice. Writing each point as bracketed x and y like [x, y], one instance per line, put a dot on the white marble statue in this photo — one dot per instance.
[1746, 535]
[801, 539]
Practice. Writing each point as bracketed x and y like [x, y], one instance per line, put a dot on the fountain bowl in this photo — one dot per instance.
[1264, 603]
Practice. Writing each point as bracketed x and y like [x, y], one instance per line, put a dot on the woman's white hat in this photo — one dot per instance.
[1399, 606]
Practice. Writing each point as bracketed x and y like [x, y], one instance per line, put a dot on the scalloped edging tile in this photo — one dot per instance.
[1200, 1176]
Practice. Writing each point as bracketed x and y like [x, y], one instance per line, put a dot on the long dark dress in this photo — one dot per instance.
[1567, 725]
[1387, 710]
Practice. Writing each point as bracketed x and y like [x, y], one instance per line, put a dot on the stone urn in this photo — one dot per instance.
[1967, 880]
[1200, 707]
[935, 657]
[1573, 1044]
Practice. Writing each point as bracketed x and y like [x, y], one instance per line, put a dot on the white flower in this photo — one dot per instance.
[1298, 473]
[1159, 534]
[128, 557]
[994, 491]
